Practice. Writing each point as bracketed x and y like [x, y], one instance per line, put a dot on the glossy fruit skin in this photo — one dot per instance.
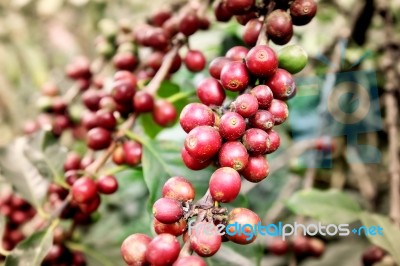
[175, 229]
[278, 246]
[159, 18]
[293, 58]
[233, 154]
[225, 184]
[216, 66]
[134, 248]
[178, 188]
[164, 113]
[237, 53]
[143, 102]
[84, 190]
[301, 246]
[264, 96]
[251, 31]
[372, 255]
[195, 60]
[189, 24]
[72, 162]
[232, 126]
[221, 12]
[167, 210]
[263, 120]
[107, 184]
[106, 119]
[242, 216]
[246, 105]
[282, 85]
[274, 141]
[279, 27]
[211, 92]
[91, 99]
[192, 163]
[317, 247]
[190, 260]
[303, 11]
[125, 61]
[90, 206]
[98, 138]
[243, 19]
[118, 156]
[279, 111]
[163, 250]
[123, 91]
[257, 169]
[261, 61]
[205, 245]
[234, 76]
[239, 7]
[194, 115]
[256, 141]
[203, 142]
[132, 152]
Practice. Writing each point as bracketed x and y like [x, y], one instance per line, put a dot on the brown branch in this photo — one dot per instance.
[263, 36]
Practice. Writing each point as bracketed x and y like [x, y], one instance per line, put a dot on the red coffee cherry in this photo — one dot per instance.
[325, 143]
[134, 248]
[196, 114]
[123, 91]
[189, 24]
[164, 113]
[90, 206]
[263, 120]
[86, 161]
[175, 229]
[264, 96]
[239, 7]
[84, 190]
[106, 119]
[157, 39]
[242, 216]
[178, 188]
[234, 76]
[233, 154]
[372, 255]
[251, 31]
[317, 247]
[232, 126]
[167, 210]
[118, 156]
[216, 66]
[89, 120]
[282, 85]
[279, 27]
[278, 246]
[171, 26]
[303, 11]
[261, 61]
[256, 170]
[163, 250]
[125, 61]
[203, 142]
[60, 124]
[58, 106]
[79, 68]
[78, 259]
[190, 260]
[72, 162]
[246, 105]
[301, 246]
[256, 141]
[176, 64]
[132, 152]
[204, 244]
[91, 99]
[274, 141]
[143, 102]
[192, 163]
[107, 184]
[237, 53]
[221, 12]
[155, 60]
[279, 111]
[243, 19]
[98, 138]
[195, 60]
[225, 184]
[211, 92]
[159, 17]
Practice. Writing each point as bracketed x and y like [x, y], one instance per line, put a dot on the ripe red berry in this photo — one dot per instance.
[317, 247]
[256, 141]
[79, 68]
[246, 105]
[232, 126]
[264, 96]
[164, 113]
[159, 18]
[195, 60]
[372, 255]
[107, 184]
[225, 184]
[216, 66]
[279, 27]
[301, 246]
[203, 142]
[278, 246]
[261, 61]
[204, 244]
[192, 163]
[234, 76]
[303, 11]
[123, 91]
[263, 120]
[171, 26]
[178, 188]
[91, 99]
[175, 229]
[211, 92]
[196, 114]
[237, 53]
[190, 260]
[167, 210]
[134, 248]
[325, 143]
[242, 216]
[189, 24]
[282, 85]
[143, 102]
[163, 250]
[279, 111]
[233, 154]
[221, 12]
[84, 190]
[243, 19]
[157, 39]
[125, 61]
[90, 206]
[106, 119]
[132, 152]
[89, 120]
[274, 141]
[239, 7]
[98, 138]
[60, 124]
[72, 162]
[251, 31]
[257, 169]
[176, 64]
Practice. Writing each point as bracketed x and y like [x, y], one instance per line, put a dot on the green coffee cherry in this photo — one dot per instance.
[293, 58]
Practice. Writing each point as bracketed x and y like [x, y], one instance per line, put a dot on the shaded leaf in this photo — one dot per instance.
[167, 89]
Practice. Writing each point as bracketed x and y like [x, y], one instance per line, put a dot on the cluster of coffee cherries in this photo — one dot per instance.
[301, 246]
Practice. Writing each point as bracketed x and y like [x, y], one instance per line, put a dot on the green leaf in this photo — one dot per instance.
[329, 206]
[389, 241]
[167, 89]
[149, 126]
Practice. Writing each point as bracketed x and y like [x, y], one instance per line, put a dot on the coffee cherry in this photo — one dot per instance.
[232, 126]
[246, 105]
[125, 61]
[167, 210]
[143, 102]
[190, 260]
[86, 161]
[233, 154]
[79, 68]
[164, 113]
[189, 24]
[195, 60]
[234, 76]
[251, 31]
[274, 141]
[264, 96]
[242, 216]
[84, 190]
[132, 152]
[204, 244]
[243, 19]
[317, 247]
[221, 12]
[256, 141]
[239, 7]
[278, 246]
[372, 255]
[279, 27]
[134, 248]
[192, 163]
[106, 120]
[325, 143]
[60, 124]
[301, 246]
[163, 250]
[176, 64]
[216, 66]
[225, 184]
[123, 91]
[211, 92]
[91, 99]
[175, 229]
[89, 120]
[292, 58]
[196, 114]
[90, 206]
[107, 184]
[263, 120]
[256, 170]
[72, 162]
[159, 18]
[237, 53]
[178, 188]
[50, 89]
[282, 85]
[98, 138]
[78, 259]
[303, 11]
[171, 27]
[203, 142]
[118, 156]
[58, 106]
[279, 111]
[261, 61]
